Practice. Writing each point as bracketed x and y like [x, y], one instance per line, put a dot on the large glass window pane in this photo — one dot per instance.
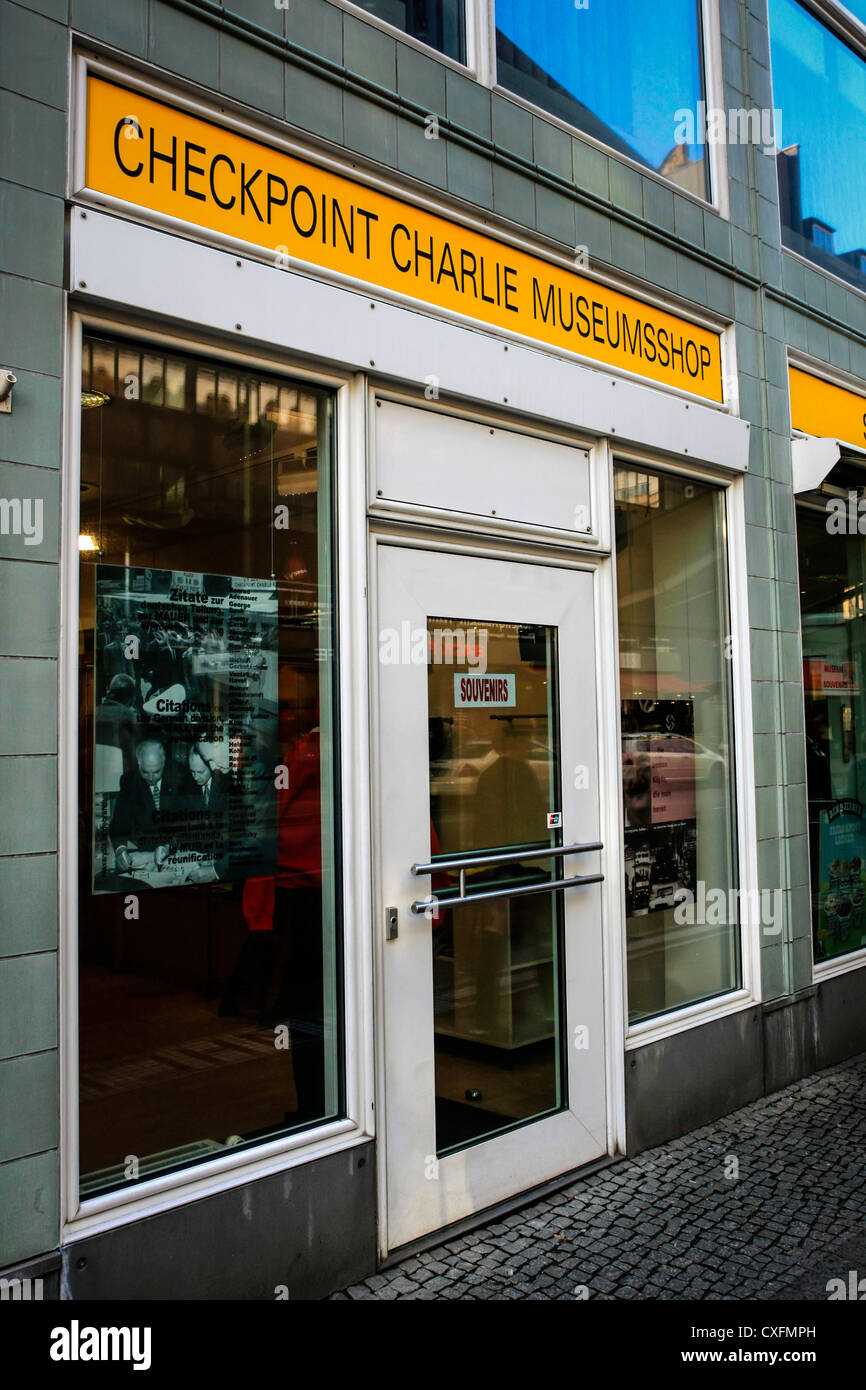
[623, 73]
[819, 85]
[682, 903]
[832, 558]
[494, 774]
[208, 942]
[439, 23]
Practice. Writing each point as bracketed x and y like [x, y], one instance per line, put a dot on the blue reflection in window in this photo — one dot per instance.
[819, 84]
[440, 23]
[623, 72]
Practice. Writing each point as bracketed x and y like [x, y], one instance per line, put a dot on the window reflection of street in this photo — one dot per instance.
[205, 660]
[676, 721]
[494, 777]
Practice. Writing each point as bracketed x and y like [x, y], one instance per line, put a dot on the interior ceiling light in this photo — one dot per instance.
[87, 543]
[91, 399]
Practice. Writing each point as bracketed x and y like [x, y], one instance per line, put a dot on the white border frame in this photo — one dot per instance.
[749, 992]
[230, 1170]
[745, 815]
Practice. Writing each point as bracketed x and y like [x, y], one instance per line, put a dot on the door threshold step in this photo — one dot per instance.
[499, 1209]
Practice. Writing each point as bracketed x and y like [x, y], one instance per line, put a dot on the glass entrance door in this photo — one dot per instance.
[494, 777]
[492, 862]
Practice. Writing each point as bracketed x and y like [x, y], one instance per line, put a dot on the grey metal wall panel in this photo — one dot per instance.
[841, 1018]
[311, 1228]
[684, 1081]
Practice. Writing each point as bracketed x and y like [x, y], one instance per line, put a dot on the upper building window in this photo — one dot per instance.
[820, 87]
[439, 23]
[857, 8]
[622, 73]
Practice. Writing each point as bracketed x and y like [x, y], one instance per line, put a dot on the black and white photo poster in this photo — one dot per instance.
[185, 728]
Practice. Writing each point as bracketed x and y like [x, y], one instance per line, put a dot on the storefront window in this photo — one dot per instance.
[819, 85]
[209, 996]
[682, 903]
[832, 557]
[439, 23]
[625, 73]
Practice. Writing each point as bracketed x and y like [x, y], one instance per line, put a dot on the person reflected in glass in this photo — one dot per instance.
[289, 904]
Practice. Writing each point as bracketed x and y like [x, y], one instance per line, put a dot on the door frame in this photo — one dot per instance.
[610, 809]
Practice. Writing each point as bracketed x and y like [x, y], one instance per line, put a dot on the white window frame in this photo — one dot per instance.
[470, 67]
[848, 29]
[710, 38]
[232, 1169]
[742, 772]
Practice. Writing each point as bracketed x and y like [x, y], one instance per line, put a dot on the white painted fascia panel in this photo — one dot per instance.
[122, 263]
[812, 460]
[442, 461]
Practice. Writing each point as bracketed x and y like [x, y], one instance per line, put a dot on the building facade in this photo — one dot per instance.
[432, 611]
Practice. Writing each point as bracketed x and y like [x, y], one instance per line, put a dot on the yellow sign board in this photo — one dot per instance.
[165, 160]
[820, 407]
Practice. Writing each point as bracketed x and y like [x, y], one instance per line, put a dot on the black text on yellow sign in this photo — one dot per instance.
[168, 161]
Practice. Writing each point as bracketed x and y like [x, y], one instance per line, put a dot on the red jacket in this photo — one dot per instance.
[299, 839]
[299, 835]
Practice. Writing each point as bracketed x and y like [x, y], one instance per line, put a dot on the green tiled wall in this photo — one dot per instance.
[33, 87]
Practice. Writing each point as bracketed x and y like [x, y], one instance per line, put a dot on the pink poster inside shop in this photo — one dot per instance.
[672, 778]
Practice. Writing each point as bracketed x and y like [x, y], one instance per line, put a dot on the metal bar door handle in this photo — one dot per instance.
[480, 861]
[549, 887]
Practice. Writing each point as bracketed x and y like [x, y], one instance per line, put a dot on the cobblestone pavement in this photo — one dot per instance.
[684, 1220]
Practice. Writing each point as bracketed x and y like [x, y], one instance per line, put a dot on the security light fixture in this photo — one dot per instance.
[7, 381]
